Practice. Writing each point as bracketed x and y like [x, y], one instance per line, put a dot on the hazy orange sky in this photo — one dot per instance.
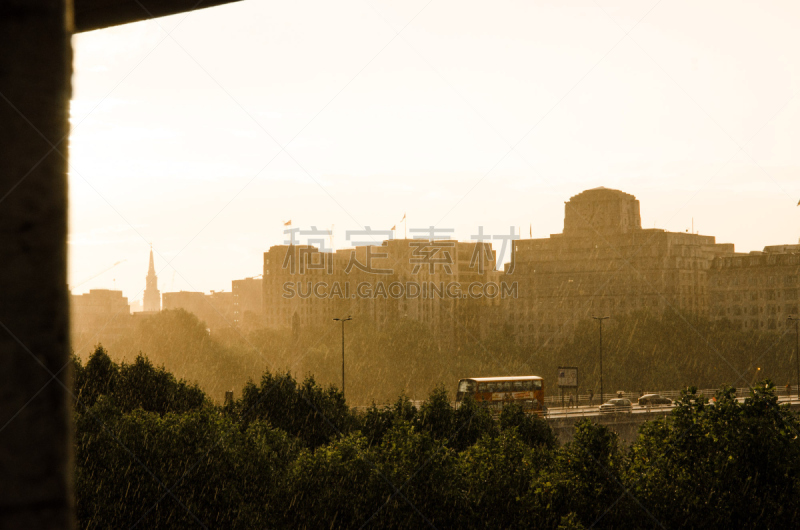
[203, 133]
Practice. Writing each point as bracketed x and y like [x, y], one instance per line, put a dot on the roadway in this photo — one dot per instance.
[626, 425]
[594, 410]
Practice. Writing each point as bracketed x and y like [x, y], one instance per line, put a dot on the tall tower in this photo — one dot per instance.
[152, 297]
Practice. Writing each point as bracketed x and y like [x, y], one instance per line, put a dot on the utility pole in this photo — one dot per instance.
[796, 321]
[600, 321]
[343, 320]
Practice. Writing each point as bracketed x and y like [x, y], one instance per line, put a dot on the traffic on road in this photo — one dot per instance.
[623, 407]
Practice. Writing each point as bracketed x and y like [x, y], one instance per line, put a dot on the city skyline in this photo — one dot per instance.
[604, 261]
[320, 238]
[493, 116]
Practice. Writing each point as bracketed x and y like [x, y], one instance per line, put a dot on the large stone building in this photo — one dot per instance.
[605, 264]
[757, 291]
[416, 279]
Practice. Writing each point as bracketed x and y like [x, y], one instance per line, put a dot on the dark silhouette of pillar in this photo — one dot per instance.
[35, 401]
[35, 420]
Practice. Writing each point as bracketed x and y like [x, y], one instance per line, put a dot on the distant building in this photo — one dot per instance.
[215, 309]
[396, 279]
[605, 264]
[757, 291]
[219, 314]
[152, 296]
[191, 301]
[247, 297]
[99, 316]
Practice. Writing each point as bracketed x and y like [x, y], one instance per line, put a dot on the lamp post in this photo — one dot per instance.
[756, 375]
[600, 321]
[343, 320]
[796, 321]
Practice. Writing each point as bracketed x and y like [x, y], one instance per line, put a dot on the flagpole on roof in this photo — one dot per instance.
[291, 239]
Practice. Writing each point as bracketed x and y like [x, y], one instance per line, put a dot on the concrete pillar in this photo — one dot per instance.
[35, 418]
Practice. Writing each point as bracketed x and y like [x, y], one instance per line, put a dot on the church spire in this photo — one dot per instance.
[152, 296]
[152, 270]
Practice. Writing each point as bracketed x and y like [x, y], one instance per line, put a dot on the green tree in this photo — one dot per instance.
[495, 475]
[532, 429]
[375, 421]
[417, 476]
[585, 477]
[333, 486]
[132, 386]
[471, 422]
[732, 463]
[313, 414]
[171, 471]
[97, 378]
[436, 416]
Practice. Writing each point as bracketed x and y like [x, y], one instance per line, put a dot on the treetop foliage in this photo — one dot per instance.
[153, 452]
[132, 386]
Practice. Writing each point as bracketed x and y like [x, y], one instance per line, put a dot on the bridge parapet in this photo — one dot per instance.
[626, 425]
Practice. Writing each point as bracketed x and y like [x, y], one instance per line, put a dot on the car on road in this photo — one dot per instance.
[654, 400]
[616, 406]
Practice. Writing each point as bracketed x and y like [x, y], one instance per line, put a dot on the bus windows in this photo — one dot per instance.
[493, 393]
[466, 385]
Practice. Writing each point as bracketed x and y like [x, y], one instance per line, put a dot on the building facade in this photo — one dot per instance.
[757, 291]
[602, 264]
[99, 316]
[247, 298]
[214, 309]
[605, 264]
[415, 279]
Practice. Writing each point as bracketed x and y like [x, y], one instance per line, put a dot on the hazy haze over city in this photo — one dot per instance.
[456, 114]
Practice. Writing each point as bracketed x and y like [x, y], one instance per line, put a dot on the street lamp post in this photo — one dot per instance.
[600, 321]
[343, 320]
[797, 349]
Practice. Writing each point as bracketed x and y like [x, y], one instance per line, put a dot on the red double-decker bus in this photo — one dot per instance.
[495, 392]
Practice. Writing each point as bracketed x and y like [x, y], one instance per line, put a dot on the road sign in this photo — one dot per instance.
[567, 377]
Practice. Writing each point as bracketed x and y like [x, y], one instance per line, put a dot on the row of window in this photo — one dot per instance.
[787, 294]
[789, 309]
[755, 280]
[509, 386]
